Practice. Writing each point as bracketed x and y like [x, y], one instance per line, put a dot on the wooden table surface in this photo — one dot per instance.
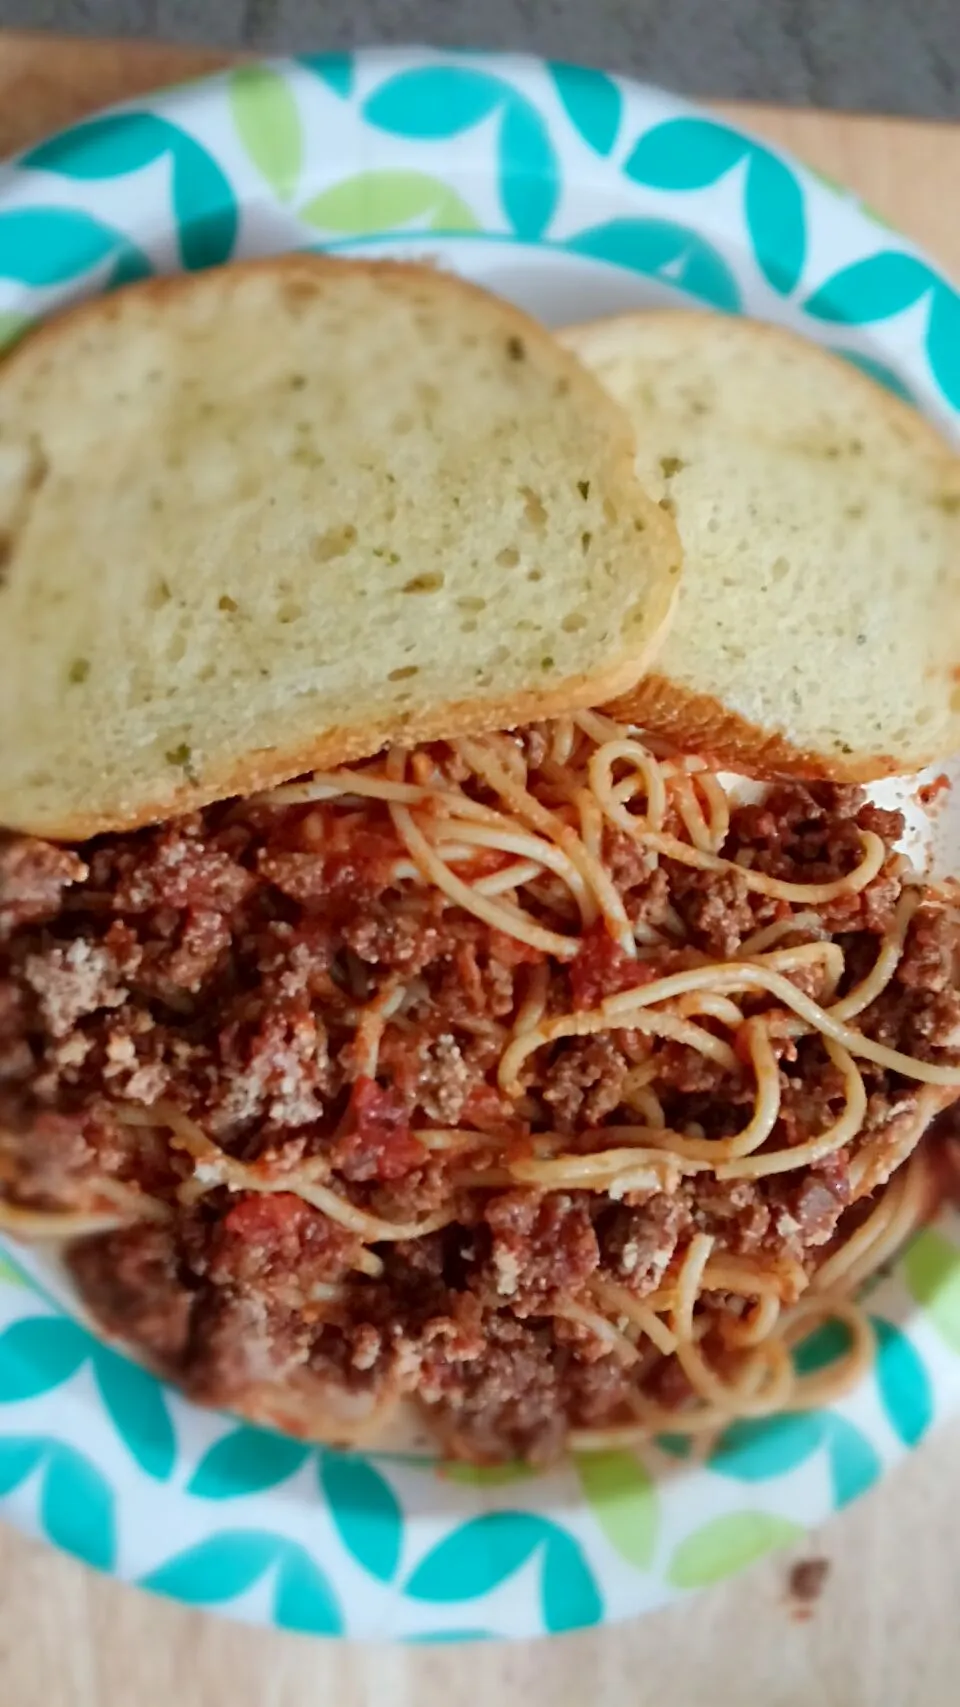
[884, 1632]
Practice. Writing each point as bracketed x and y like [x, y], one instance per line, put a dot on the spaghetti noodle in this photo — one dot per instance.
[527, 1076]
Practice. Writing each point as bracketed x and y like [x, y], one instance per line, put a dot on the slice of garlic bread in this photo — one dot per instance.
[277, 514]
[818, 627]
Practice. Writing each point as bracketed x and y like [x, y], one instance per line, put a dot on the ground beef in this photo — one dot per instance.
[803, 833]
[541, 1247]
[812, 834]
[131, 1281]
[67, 1153]
[239, 1341]
[33, 877]
[808, 1208]
[377, 1143]
[177, 867]
[718, 911]
[582, 1085]
[275, 1070]
[637, 1244]
[220, 966]
[397, 943]
[71, 980]
[506, 1402]
[274, 1243]
[637, 874]
[931, 951]
[734, 1211]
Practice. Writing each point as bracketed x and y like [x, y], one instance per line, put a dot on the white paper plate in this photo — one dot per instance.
[575, 194]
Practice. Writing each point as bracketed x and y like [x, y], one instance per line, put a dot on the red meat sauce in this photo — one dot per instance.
[218, 964]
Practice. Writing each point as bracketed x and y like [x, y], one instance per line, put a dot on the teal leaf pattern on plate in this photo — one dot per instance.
[623, 1497]
[676, 1445]
[268, 123]
[775, 215]
[216, 1569]
[728, 1544]
[106, 147]
[529, 185]
[334, 69]
[943, 341]
[685, 154]
[754, 1449]
[353, 146]
[666, 251]
[932, 1269]
[571, 1598]
[76, 1501]
[592, 102]
[19, 1457]
[433, 103]
[39, 1353]
[304, 1600]
[227, 1564]
[204, 205]
[854, 1464]
[245, 1462]
[77, 1508]
[691, 153]
[872, 289]
[365, 1511]
[903, 1382]
[52, 245]
[386, 201]
[475, 1557]
[138, 1410]
[443, 101]
[830, 1340]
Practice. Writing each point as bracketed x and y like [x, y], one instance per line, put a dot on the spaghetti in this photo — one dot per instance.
[527, 1076]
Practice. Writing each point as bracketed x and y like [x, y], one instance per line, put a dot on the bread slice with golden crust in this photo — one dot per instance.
[818, 627]
[275, 515]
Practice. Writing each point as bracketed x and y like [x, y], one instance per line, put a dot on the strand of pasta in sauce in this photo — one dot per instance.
[547, 850]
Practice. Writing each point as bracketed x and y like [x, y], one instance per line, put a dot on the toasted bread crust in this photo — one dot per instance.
[263, 770]
[223, 774]
[699, 724]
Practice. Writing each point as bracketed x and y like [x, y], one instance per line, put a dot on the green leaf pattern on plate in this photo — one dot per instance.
[932, 1268]
[388, 201]
[268, 123]
[622, 1495]
[464, 155]
[728, 1544]
[437, 103]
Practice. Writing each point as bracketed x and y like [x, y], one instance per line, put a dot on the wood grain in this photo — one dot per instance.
[884, 1631]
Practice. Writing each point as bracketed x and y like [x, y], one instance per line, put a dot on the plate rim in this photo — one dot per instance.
[564, 1560]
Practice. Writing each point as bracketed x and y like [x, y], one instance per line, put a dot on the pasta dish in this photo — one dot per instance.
[533, 1078]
